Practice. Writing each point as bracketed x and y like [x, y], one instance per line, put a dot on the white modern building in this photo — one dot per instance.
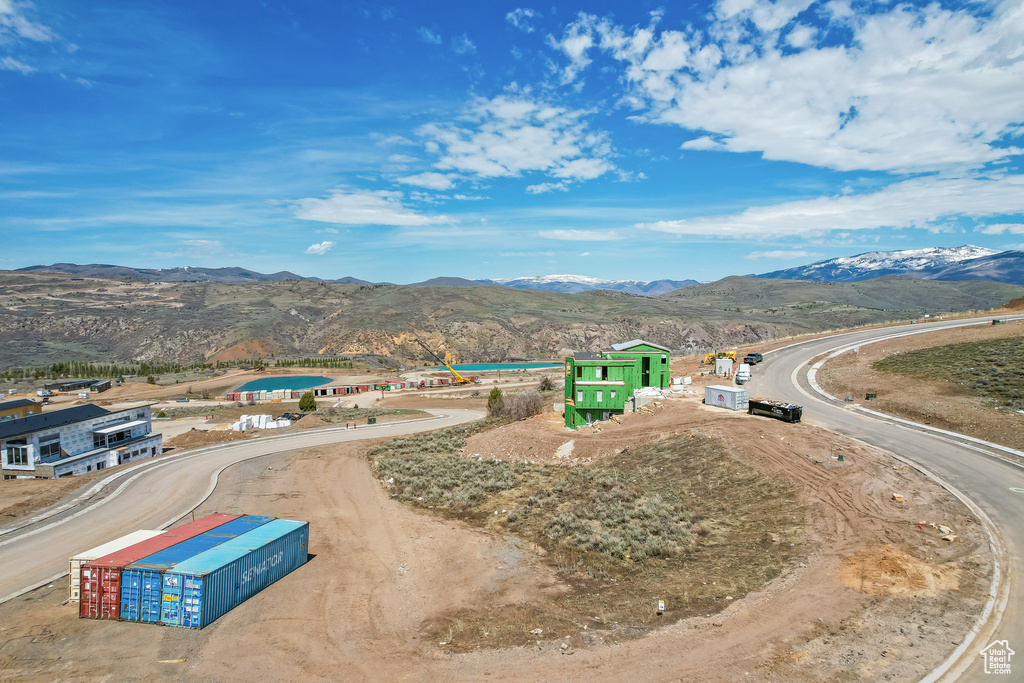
[75, 441]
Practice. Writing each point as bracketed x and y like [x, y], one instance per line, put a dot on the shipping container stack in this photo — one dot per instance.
[101, 578]
[190, 576]
[141, 582]
[203, 588]
[76, 562]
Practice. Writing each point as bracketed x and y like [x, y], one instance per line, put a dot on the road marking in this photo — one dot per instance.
[1016, 490]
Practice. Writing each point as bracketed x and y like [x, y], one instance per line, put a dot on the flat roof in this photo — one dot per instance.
[118, 427]
[51, 420]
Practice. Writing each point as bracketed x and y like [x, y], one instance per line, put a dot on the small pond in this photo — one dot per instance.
[290, 382]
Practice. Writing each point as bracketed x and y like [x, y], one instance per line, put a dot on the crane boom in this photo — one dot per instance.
[459, 378]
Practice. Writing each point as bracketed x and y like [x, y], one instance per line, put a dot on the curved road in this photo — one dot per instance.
[155, 494]
[991, 478]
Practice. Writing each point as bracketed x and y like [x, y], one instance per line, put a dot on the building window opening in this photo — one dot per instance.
[49, 450]
[597, 372]
[17, 452]
[600, 395]
[579, 372]
[579, 394]
[612, 392]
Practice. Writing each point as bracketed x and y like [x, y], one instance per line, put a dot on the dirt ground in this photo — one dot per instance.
[877, 595]
[20, 497]
[939, 404]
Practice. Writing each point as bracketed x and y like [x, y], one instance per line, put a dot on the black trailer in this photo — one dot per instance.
[780, 410]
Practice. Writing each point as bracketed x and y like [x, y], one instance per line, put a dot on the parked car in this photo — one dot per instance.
[182, 399]
[753, 358]
[743, 373]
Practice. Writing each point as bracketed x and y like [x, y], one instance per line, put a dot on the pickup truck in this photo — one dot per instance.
[753, 358]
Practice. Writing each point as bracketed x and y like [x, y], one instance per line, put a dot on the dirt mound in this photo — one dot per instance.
[887, 569]
[197, 438]
[250, 348]
[1014, 305]
[309, 422]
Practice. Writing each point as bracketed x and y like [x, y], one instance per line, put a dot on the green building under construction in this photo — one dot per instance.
[601, 384]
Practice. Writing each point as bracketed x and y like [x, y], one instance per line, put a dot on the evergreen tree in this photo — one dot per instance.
[307, 402]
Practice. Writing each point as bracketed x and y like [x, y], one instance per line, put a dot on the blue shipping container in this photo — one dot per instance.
[141, 582]
[200, 590]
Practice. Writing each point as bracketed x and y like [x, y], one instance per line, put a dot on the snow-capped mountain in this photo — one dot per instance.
[572, 284]
[945, 263]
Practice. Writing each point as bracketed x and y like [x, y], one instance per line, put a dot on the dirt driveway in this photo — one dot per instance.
[876, 593]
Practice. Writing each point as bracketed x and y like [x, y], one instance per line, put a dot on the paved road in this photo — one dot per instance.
[986, 476]
[153, 495]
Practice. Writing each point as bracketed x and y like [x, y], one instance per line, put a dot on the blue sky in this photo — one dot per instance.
[398, 142]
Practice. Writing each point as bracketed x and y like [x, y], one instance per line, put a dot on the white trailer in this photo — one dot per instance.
[722, 396]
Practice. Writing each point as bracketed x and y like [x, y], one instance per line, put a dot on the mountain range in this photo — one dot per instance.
[966, 262]
[954, 263]
[55, 317]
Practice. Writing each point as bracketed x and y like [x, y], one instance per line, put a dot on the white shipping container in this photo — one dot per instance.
[86, 556]
[732, 398]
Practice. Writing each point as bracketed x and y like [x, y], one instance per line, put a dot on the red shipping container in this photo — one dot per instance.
[101, 579]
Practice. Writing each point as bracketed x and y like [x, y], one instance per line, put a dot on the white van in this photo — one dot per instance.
[743, 373]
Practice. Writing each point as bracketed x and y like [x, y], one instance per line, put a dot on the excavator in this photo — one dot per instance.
[459, 379]
[710, 358]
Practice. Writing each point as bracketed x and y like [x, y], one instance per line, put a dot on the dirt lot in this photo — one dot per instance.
[20, 497]
[940, 404]
[875, 593]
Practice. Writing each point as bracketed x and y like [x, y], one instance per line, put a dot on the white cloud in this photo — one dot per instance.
[703, 144]
[581, 235]
[332, 231]
[463, 45]
[900, 88]
[520, 18]
[586, 253]
[513, 134]
[784, 254]
[924, 203]
[15, 25]
[431, 181]
[801, 36]
[630, 176]
[204, 245]
[390, 140]
[429, 36]
[362, 207]
[1001, 228]
[319, 249]
[541, 188]
[510, 254]
[469, 198]
[12, 64]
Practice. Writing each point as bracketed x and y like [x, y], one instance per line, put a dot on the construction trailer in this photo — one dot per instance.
[722, 396]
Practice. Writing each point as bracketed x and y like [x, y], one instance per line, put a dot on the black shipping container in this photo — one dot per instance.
[788, 412]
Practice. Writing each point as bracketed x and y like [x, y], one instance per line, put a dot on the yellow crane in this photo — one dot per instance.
[459, 379]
